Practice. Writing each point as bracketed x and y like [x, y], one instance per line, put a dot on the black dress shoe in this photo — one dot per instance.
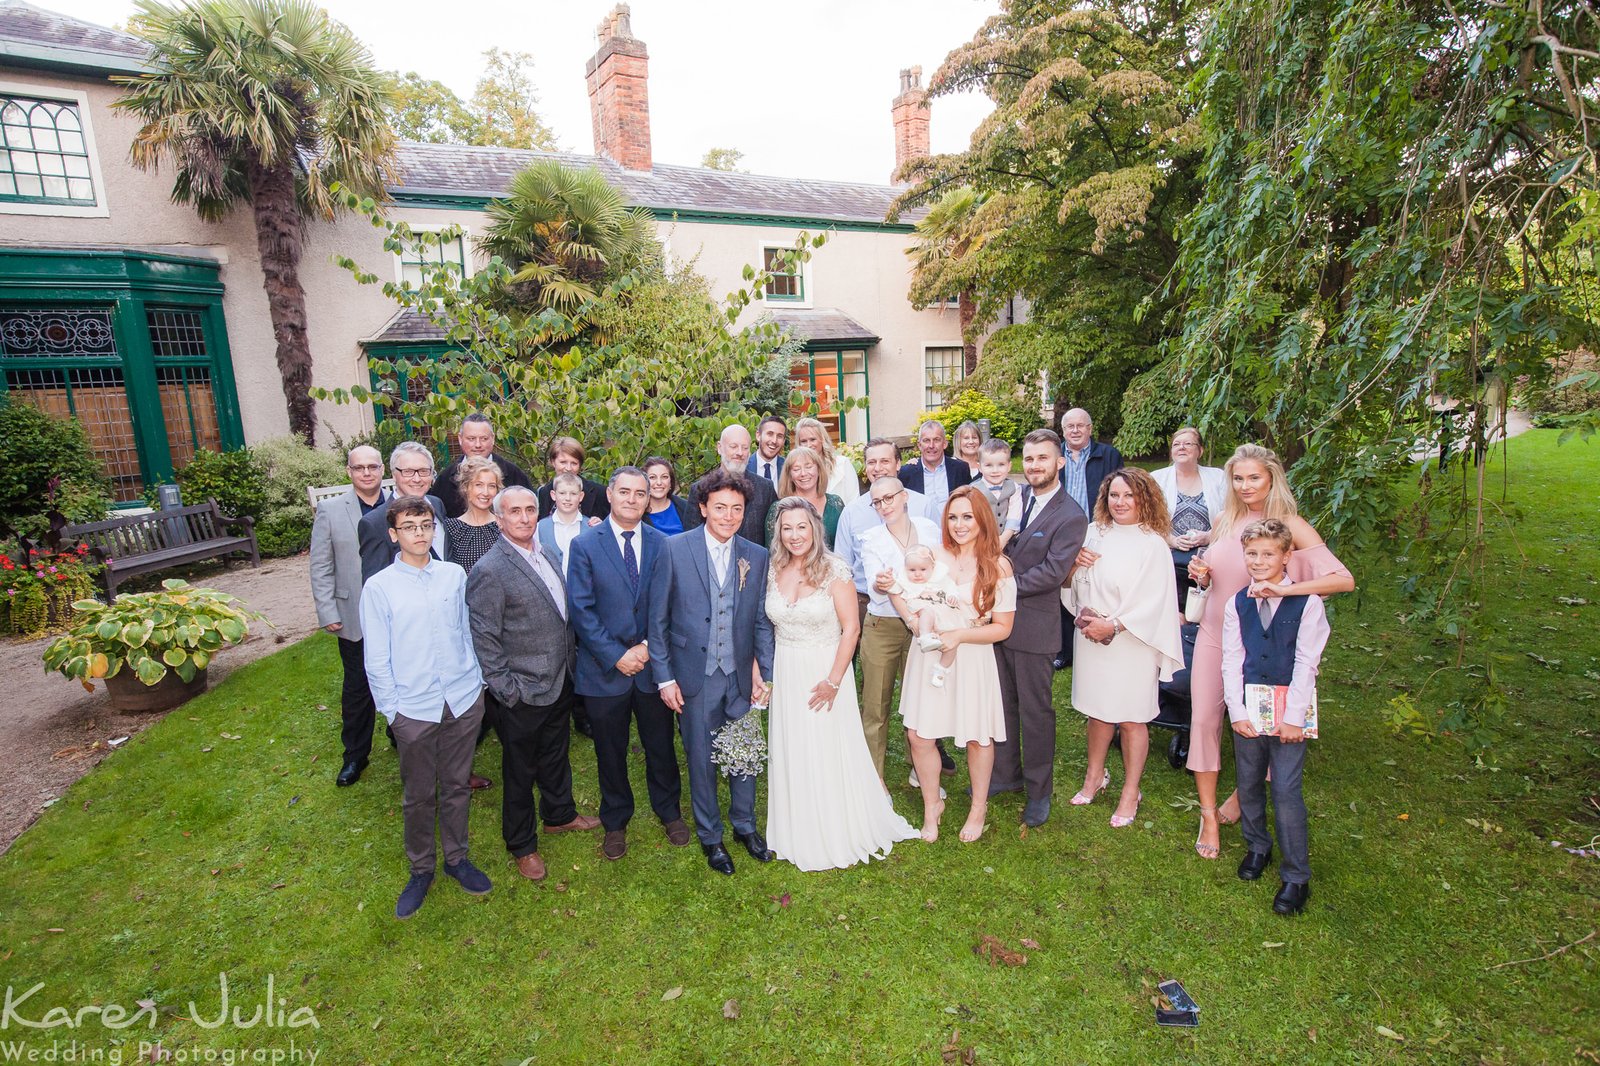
[1291, 899]
[947, 765]
[1058, 664]
[1253, 863]
[718, 859]
[351, 773]
[755, 845]
[581, 724]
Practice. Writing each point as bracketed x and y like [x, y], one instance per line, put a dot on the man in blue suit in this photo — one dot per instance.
[711, 651]
[609, 567]
[772, 435]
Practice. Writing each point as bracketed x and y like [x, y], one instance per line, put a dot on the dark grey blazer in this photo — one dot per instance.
[524, 646]
[1041, 555]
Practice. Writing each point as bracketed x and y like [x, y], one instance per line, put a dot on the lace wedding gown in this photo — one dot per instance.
[826, 807]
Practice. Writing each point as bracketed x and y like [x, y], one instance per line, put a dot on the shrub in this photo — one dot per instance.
[383, 436]
[40, 587]
[1010, 421]
[234, 479]
[46, 463]
[291, 466]
[281, 534]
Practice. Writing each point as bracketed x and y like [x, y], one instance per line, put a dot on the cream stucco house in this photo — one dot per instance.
[151, 325]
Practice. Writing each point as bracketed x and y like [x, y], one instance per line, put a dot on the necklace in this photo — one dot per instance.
[905, 542]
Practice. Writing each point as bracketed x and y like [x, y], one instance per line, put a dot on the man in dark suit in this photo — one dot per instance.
[1086, 463]
[935, 472]
[517, 607]
[412, 466]
[566, 457]
[336, 590]
[609, 567]
[476, 438]
[733, 448]
[711, 650]
[772, 434]
[1041, 555]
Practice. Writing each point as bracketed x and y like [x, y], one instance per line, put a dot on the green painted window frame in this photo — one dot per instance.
[130, 284]
[836, 356]
[797, 276]
[458, 246]
[22, 139]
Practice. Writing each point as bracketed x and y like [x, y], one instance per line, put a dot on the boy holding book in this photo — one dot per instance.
[1272, 642]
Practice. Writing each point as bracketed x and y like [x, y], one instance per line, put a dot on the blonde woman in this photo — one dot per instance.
[838, 473]
[826, 807]
[1258, 488]
[474, 532]
[968, 441]
[804, 475]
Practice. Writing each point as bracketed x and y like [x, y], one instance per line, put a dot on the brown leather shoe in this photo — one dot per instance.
[581, 824]
[615, 845]
[677, 833]
[475, 782]
[531, 866]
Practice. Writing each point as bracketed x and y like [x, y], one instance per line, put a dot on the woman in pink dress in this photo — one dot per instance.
[967, 707]
[1258, 489]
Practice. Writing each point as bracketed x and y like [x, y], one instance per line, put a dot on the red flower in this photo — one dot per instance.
[61, 577]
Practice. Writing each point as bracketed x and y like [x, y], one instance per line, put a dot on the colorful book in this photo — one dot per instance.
[1266, 704]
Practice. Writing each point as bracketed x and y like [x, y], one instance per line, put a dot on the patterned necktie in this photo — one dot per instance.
[1264, 611]
[1027, 510]
[630, 561]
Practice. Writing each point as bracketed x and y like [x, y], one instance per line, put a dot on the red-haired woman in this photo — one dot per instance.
[967, 707]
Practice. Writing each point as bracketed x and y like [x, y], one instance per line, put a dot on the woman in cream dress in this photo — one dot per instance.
[1128, 639]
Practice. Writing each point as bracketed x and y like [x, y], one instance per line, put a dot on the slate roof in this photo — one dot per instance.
[459, 170]
[406, 327]
[823, 325]
[31, 35]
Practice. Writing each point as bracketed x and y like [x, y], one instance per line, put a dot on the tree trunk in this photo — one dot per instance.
[967, 310]
[279, 238]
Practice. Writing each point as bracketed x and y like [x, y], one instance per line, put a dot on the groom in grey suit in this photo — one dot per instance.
[711, 651]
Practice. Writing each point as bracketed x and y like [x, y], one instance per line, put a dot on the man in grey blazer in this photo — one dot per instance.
[710, 644]
[1041, 554]
[336, 590]
[517, 607]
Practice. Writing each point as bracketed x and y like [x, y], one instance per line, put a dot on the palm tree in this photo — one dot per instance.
[944, 236]
[565, 231]
[268, 102]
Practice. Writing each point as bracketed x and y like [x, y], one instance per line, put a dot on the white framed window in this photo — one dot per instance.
[790, 280]
[48, 163]
[943, 368]
[450, 252]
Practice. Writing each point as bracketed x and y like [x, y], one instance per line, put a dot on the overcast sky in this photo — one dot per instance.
[802, 91]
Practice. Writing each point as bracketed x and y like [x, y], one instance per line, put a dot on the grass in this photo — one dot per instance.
[188, 853]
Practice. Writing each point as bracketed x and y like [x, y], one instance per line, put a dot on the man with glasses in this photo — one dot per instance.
[336, 581]
[884, 637]
[412, 466]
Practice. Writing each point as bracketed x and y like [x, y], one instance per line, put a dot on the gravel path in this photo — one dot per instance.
[55, 732]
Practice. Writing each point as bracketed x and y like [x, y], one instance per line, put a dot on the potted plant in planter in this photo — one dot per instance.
[152, 648]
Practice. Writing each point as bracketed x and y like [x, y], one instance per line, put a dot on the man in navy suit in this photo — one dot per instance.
[711, 651]
[772, 434]
[609, 567]
[935, 473]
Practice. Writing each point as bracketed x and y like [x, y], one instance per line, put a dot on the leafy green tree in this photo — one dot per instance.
[565, 232]
[266, 103]
[430, 111]
[1070, 196]
[723, 159]
[506, 105]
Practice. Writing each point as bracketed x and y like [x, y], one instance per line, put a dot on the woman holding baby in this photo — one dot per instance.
[970, 575]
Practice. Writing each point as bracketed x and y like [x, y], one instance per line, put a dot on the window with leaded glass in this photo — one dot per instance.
[44, 153]
[785, 281]
[943, 367]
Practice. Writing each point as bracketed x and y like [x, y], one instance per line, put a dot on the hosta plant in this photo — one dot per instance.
[181, 628]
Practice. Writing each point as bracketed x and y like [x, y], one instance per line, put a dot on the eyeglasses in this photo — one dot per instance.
[420, 472]
[880, 502]
[370, 468]
[416, 528]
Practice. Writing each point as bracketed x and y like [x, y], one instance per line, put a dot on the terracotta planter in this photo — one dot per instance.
[131, 695]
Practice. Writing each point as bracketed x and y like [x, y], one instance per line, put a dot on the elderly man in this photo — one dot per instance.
[772, 433]
[733, 448]
[476, 438]
[935, 473]
[336, 591]
[1087, 462]
[412, 466]
[517, 604]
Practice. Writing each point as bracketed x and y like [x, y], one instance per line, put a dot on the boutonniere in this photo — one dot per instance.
[744, 572]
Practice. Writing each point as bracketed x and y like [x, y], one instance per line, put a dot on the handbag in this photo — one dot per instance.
[1194, 606]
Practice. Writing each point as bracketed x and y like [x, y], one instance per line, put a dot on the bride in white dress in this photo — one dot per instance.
[826, 807]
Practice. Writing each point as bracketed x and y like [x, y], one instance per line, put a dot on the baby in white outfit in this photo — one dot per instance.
[925, 596]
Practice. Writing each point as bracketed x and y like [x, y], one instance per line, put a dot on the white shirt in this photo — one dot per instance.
[1020, 500]
[881, 551]
[567, 532]
[1309, 644]
[859, 518]
[720, 552]
[638, 539]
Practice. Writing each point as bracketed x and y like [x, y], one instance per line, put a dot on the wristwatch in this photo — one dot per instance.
[1116, 626]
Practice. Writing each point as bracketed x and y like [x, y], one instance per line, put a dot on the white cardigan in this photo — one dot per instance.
[1212, 479]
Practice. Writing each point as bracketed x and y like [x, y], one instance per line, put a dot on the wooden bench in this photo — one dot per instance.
[139, 544]
[317, 493]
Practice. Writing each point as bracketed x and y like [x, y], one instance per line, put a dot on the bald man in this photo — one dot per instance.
[733, 448]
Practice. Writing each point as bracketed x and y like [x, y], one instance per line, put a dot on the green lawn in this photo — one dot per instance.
[189, 853]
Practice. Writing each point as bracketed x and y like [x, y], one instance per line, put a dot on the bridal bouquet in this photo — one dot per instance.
[740, 747]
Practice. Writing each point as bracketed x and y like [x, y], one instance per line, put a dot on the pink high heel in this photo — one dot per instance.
[1080, 800]
[1119, 822]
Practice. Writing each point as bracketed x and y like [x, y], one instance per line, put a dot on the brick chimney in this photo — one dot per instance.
[910, 112]
[619, 95]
